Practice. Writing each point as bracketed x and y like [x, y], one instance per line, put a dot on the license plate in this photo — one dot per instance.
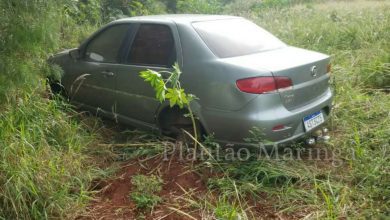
[313, 120]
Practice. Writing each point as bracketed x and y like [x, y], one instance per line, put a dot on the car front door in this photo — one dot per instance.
[154, 46]
[97, 70]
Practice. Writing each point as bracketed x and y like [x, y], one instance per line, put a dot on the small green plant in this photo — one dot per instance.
[145, 190]
[170, 89]
[225, 210]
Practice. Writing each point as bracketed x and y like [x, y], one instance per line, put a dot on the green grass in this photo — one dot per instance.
[45, 167]
[44, 171]
[47, 150]
[357, 35]
[355, 184]
[145, 191]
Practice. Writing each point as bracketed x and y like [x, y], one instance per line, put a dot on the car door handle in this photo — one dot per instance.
[108, 74]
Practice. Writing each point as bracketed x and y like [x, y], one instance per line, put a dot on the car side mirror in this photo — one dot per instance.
[75, 54]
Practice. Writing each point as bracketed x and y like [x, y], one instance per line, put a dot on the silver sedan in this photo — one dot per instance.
[244, 77]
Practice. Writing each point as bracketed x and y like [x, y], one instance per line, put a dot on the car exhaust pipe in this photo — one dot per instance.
[325, 138]
[311, 141]
[322, 135]
[325, 130]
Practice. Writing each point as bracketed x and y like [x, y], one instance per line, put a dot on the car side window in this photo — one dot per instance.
[153, 45]
[106, 45]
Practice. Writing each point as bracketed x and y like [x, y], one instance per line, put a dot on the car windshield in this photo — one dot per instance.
[236, 37]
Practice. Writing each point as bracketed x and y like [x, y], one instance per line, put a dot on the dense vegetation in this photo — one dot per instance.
[47, 150]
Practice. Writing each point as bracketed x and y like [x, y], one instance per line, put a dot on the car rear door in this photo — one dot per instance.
[154, 46]
[97, 70]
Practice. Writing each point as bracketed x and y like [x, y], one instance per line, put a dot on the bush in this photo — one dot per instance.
[199, 6]
[44, 171]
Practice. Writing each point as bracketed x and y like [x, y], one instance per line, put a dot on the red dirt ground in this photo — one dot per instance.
[113, 202]
[180, 180]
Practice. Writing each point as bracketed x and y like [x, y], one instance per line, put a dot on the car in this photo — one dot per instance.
[244, 77]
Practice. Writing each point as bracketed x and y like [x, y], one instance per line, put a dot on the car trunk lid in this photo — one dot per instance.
[307, 70]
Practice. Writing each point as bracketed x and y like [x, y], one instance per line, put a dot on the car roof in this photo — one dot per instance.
[178, 18]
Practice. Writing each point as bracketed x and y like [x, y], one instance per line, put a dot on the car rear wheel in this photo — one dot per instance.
[175, 124]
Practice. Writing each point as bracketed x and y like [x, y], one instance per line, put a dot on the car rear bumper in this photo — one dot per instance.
[263, 113]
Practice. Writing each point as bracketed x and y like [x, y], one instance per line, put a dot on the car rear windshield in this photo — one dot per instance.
[235, 37]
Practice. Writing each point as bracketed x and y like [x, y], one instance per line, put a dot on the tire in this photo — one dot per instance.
[175, 124]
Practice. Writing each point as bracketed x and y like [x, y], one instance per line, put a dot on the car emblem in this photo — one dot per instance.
[314, 71]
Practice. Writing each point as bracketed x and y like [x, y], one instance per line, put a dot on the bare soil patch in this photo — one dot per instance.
[113, 202]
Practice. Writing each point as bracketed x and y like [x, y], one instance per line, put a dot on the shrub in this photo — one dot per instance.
[44, 171]
[199, 6]
[144, 195]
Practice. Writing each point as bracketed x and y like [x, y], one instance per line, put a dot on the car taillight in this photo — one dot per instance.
[283, 82]
[266, 84]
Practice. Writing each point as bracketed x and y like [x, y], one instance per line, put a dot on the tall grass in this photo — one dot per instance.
[44, 168]
[24, 39]
[356, 34]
